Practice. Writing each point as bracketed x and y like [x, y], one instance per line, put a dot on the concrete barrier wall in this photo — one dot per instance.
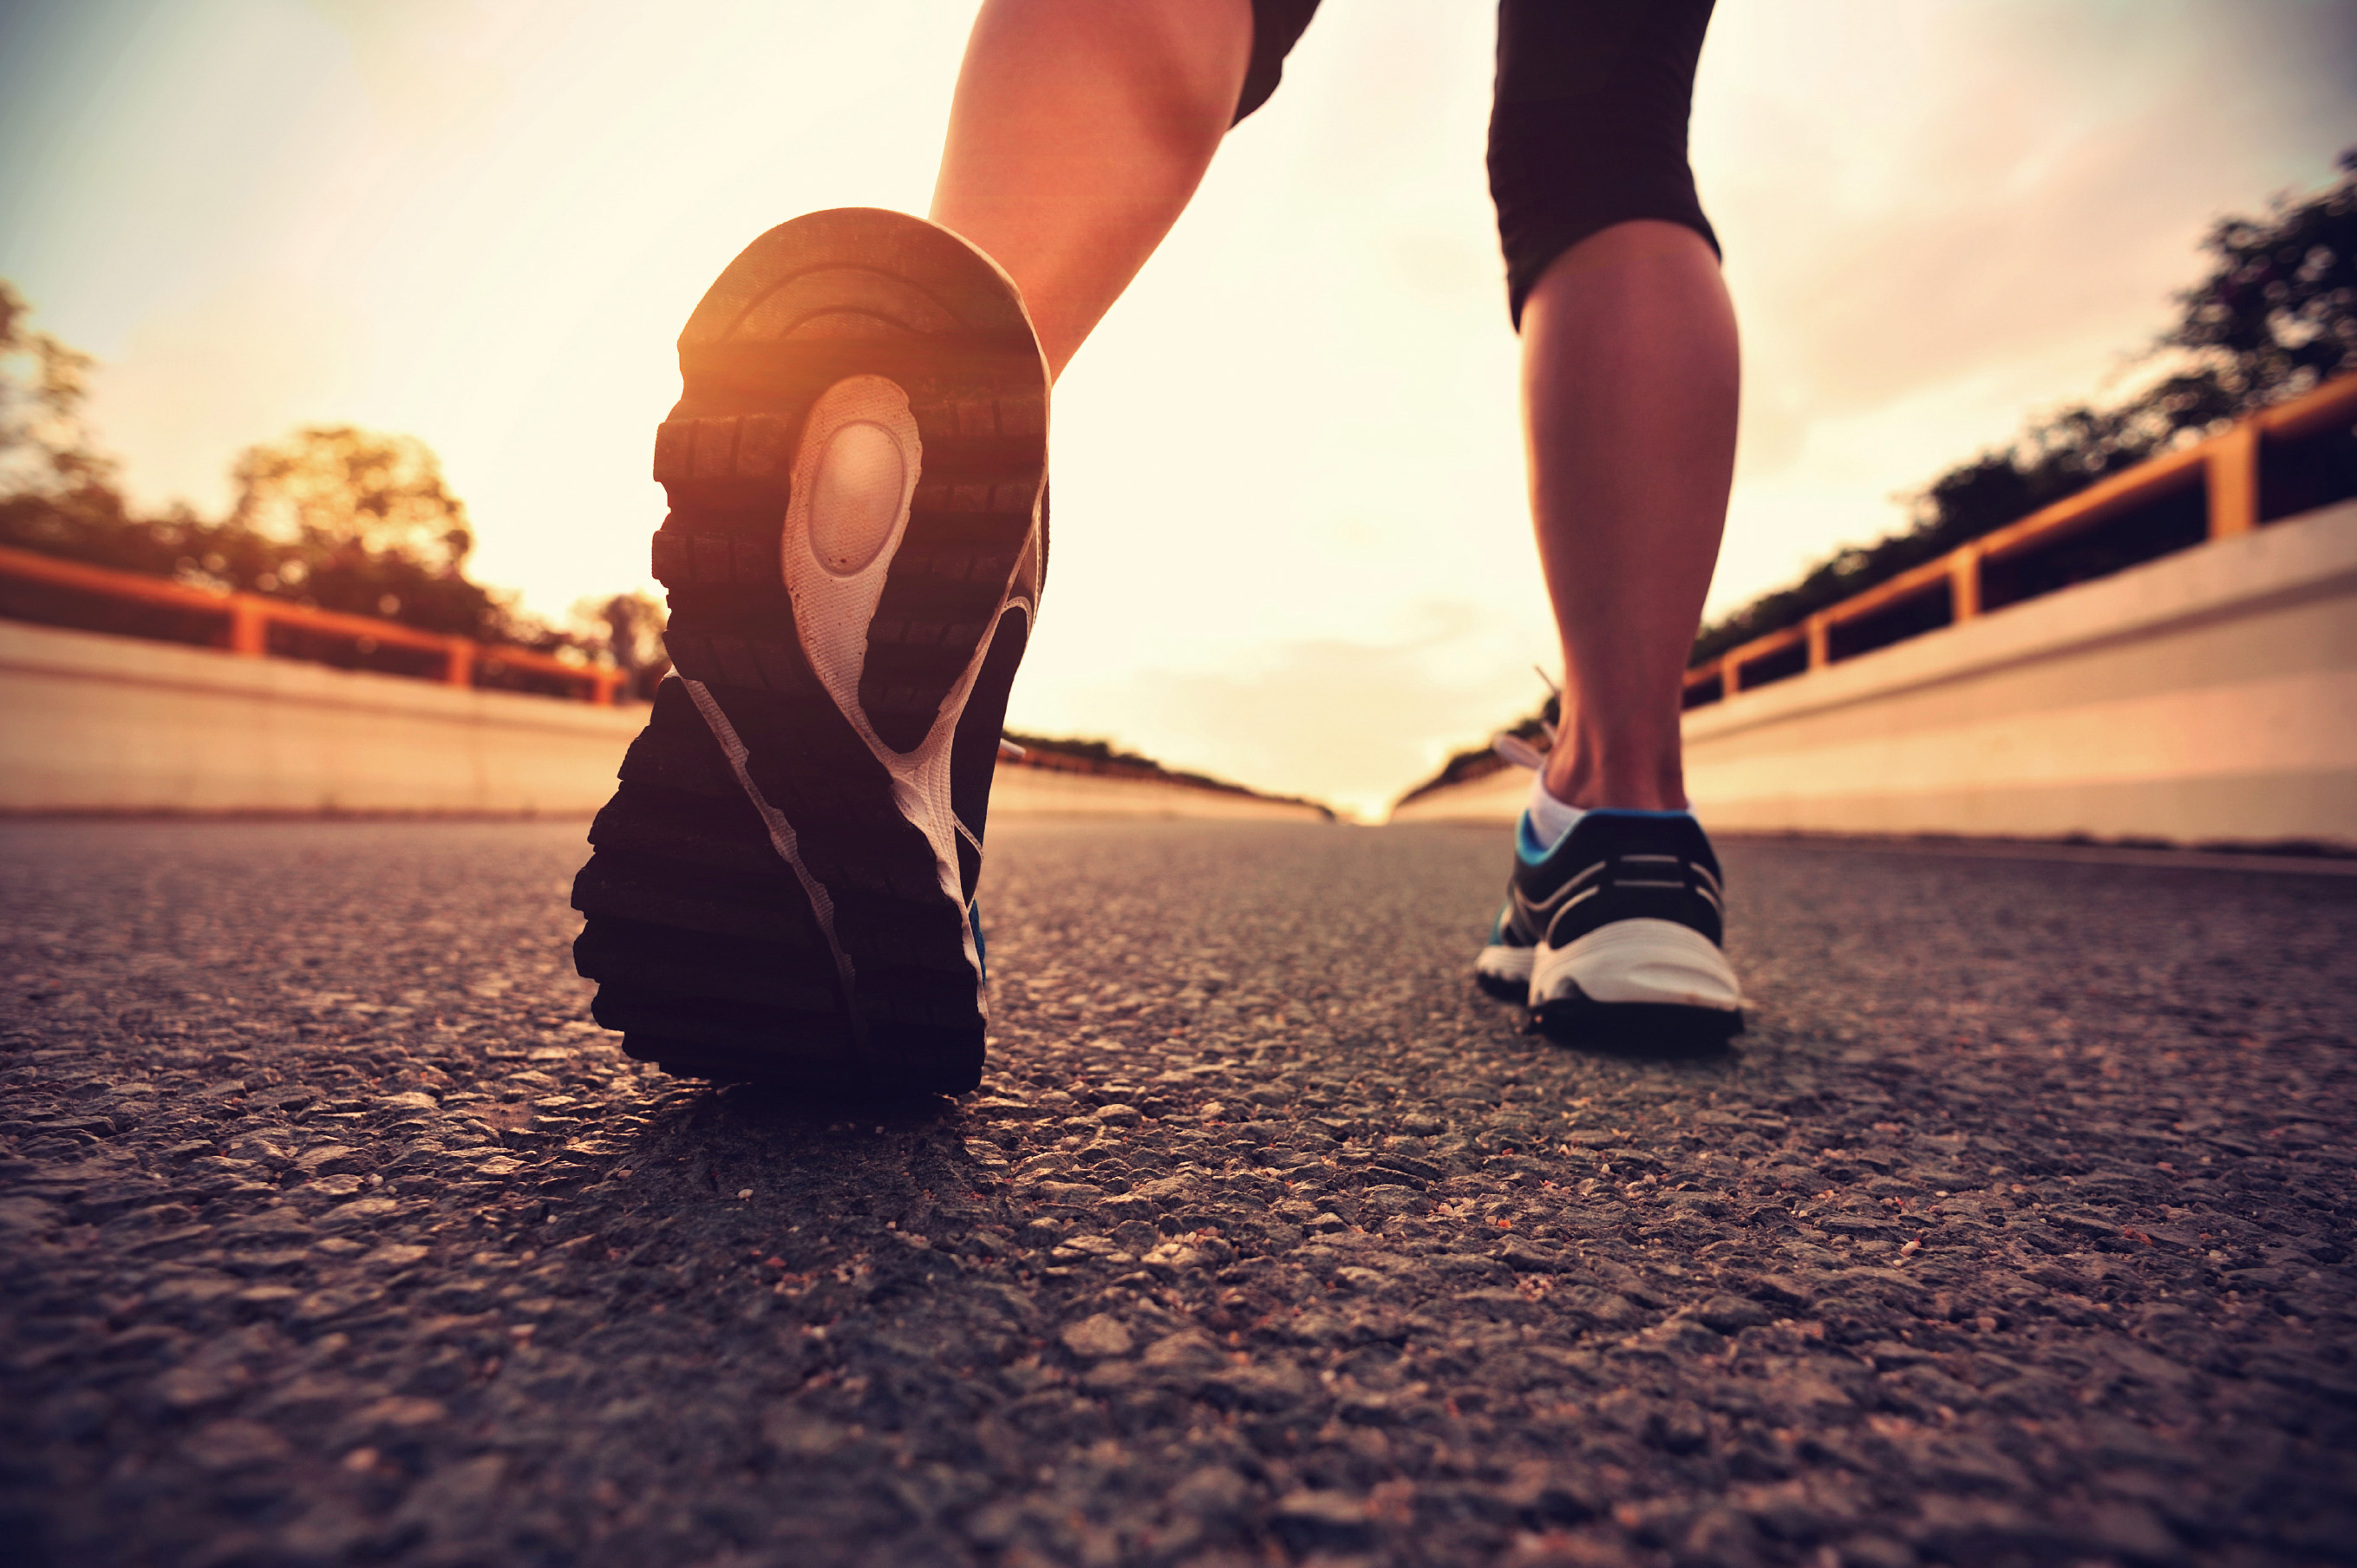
[2210, 696]
[93, 723]
[1021, 791]
[108, 724]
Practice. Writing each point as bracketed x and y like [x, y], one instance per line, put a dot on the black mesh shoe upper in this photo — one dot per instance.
[1613, 866]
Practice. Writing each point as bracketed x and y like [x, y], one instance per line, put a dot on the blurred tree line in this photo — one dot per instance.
[333, 516]
[1104, 751]
[2276, 315]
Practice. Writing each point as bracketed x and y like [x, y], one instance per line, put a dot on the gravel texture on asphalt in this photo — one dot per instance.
[2016, 1229]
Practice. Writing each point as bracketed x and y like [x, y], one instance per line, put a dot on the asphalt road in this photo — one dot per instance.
[2016, 1229]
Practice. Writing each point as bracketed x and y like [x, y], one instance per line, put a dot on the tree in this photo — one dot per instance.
[331, 516]
[56, 492]
[352, 519]
[44, 445]
[2278, 313]
[629, 629]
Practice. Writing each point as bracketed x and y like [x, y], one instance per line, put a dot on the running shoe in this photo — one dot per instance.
[1615, 929]
[782, 889]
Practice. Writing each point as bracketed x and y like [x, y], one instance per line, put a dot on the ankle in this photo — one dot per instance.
[1591, 788]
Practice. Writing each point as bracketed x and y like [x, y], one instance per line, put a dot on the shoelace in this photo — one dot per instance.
[1517, 750]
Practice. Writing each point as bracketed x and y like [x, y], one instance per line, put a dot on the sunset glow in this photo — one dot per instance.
[1289, 539]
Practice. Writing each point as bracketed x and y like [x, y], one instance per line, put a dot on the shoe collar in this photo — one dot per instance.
[1533, 853]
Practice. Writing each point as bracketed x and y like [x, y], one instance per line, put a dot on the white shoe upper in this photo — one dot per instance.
[1640, 961]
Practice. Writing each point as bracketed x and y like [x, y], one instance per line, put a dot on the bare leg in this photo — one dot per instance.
[1630, 372]
[1080, 130]
[1079, 133]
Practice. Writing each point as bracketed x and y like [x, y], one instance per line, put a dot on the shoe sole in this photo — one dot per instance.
[761, 904]
[1504, 971]
[1636, 980]
[1577, 1019]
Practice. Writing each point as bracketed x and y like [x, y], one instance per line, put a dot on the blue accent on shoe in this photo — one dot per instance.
[1533, 853]
[981, 950]
[1526, 842]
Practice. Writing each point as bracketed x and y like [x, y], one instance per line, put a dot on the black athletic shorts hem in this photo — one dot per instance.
[1278, 25]
[1588, 129]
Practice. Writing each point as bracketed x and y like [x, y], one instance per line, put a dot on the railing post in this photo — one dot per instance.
[1728, 674]
[459, 667]
[1820, 639]
[607, 682]
[2232, 472]
[249, 627]
[1964, 584]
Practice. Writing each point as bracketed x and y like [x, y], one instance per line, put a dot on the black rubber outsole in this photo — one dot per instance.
[834, 295]
[1502, 988]
[1636, 1026]
[710, 956]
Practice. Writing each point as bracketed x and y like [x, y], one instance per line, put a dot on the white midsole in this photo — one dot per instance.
[832, 608]
[831, 611]
[1501, 963]
[1643, 961]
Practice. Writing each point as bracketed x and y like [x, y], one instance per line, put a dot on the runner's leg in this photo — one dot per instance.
[1080, 130]
[1629, 368]
[1614, 919]
[1629, 398]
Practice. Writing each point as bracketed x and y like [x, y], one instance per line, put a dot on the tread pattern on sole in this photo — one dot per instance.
[854, 292]
[708, 955]
[700, 936]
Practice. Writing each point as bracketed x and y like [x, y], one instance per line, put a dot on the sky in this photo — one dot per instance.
[1291, 544]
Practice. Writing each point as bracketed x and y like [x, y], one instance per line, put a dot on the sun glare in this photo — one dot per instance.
[1290, 542]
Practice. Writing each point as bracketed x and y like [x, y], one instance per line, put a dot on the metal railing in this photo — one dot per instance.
[2227, 466]
[245, 622]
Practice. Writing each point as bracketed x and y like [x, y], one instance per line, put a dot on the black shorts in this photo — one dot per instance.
[1588, 128]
